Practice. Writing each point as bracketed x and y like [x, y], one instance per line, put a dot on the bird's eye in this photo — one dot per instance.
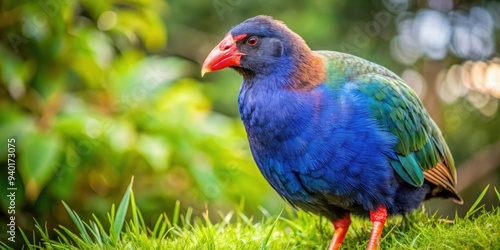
[252, 40]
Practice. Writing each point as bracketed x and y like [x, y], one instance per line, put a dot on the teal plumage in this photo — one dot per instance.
[394, 105]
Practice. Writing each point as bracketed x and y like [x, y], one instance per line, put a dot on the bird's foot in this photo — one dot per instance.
[341, 226]
[378, 218]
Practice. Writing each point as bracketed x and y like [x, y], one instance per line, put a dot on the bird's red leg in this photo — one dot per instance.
[378, 217]
[341, 226]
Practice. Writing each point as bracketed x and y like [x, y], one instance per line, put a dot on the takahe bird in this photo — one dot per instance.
[332, 133]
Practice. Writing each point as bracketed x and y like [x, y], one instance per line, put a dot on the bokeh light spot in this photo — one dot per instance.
[107, 20]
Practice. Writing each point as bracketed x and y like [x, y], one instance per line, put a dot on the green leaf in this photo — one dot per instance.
[155, 150]
[39, 161]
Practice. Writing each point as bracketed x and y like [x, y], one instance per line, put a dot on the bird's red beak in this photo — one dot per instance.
[225, 54]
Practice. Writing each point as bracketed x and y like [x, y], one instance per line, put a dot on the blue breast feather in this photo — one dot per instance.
[322, 151]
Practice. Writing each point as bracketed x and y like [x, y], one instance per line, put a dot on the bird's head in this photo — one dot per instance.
[259, 45]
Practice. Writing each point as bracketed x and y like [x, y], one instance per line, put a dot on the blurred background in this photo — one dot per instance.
[98, 91]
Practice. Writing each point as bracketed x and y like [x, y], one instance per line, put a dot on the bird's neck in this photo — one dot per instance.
[288, 88]
[274, 115]
[308, 70]
[268, 102]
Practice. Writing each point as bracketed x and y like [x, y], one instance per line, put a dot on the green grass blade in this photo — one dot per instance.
[156, 228]
[134, 213]
[164, 225]
[79, 224]
[292, 223]
[119, 220]
[175, 218]
[43, 233]
[4, 246]
[30, 247]
[111, 219]
[473, 209]
[78, 240]
[187, 217]
[95, 231]
[242, 218]
[62, 238]
[104, 235]
[141, 220]
[226, 219]
[206, 217]
[268, 236]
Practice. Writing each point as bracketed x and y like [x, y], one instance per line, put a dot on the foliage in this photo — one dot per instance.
[479, 229]
[90, 104]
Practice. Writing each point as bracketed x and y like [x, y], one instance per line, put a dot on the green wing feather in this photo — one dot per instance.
[394, 105]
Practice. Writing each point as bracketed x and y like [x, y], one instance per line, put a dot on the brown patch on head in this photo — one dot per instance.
[310, 68]
[310, 72]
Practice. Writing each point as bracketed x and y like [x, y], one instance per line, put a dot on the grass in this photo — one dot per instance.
[479, 229]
